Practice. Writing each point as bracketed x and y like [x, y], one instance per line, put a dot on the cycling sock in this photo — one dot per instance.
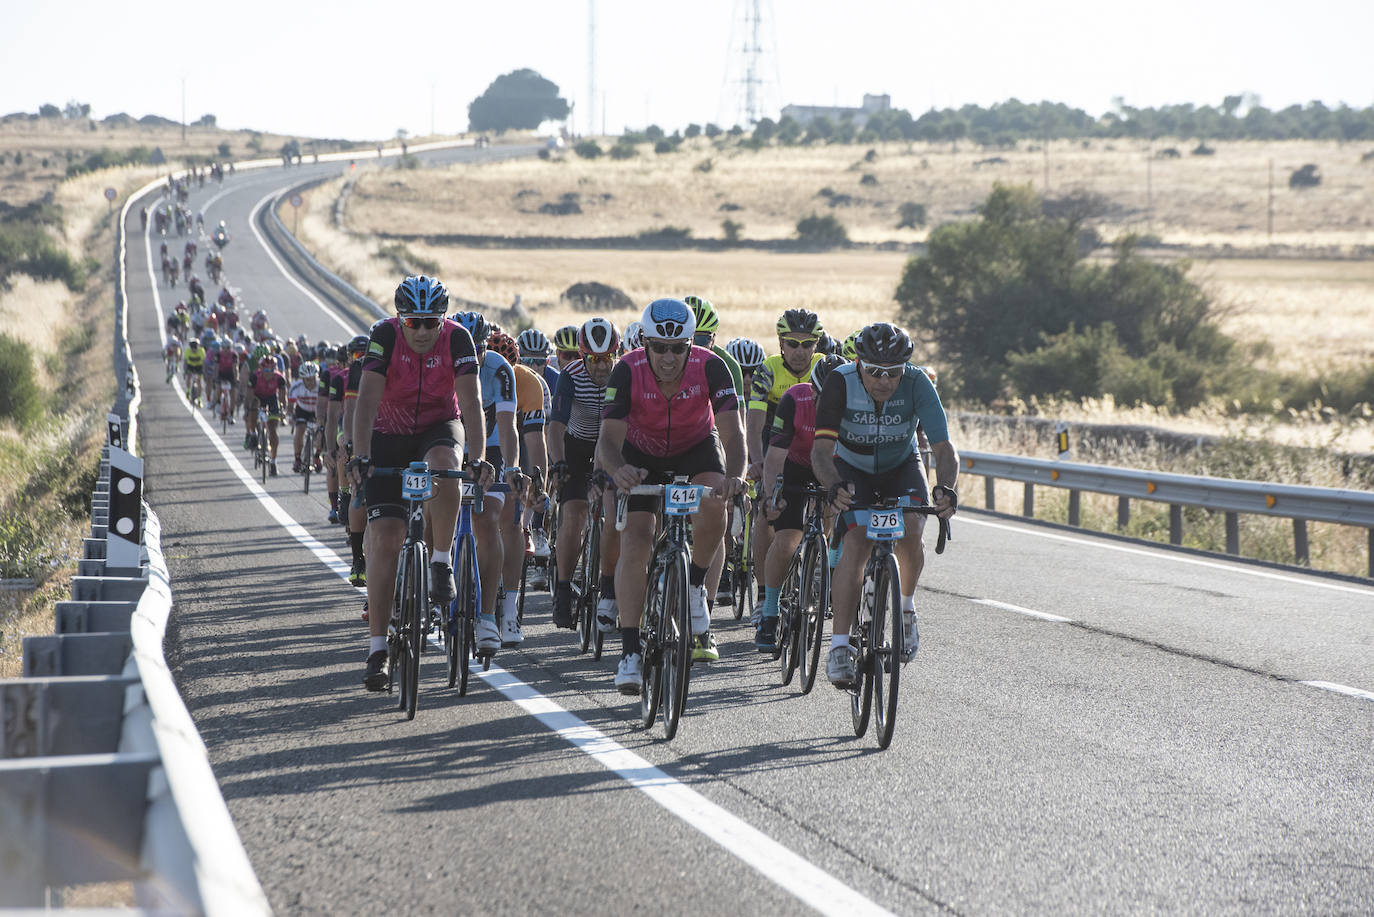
[909, 603]
[376, 643]
[770, 601]
[607, 586]
[355, 541]
[629, 641]
[334, 500]
[839, 640]
[696, 576]
[834, 555]
[442, 557]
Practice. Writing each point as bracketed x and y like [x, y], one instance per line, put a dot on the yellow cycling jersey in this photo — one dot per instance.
[195, 359]
[772, 379]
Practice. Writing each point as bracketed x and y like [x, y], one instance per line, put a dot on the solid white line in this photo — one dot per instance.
[991, 603]
[810, 884]
[252, 224]
[1340, 689]
[1177, 558]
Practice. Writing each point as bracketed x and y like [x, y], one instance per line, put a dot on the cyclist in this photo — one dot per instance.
[248, 399]
[634, 336]
[865, 451]
[534, 353]
[665, 405]
[409, 407]
[574, 426]
[531, 408]
[194, 363]
[304, 399]
[353, 517]
[789, 456]
[749, 355]
[566, 347]
[337, 376]
[498, 404]
[799, 332]
[708, 322]
[172, 354]
[226, 366]
[269, 387]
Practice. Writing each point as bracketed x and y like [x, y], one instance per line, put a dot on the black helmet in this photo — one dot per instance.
[359, 344]
[341, 355]
[823, 367]
[421, 296]
[799, 321]
[827, 344]
[883, 343]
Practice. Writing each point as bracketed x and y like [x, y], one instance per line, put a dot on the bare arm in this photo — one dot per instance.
[369, 399]
[469, 392]
[731, 437]
[555, 440]
[757, 418]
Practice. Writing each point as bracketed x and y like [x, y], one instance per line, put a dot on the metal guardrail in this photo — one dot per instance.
[1232, 497]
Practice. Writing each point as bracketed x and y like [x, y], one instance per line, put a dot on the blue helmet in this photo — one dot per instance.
[421, 296]
[669, 320]
[477, 326]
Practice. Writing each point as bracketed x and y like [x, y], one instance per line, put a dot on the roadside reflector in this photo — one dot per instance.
[1150, 487]
[1270, 501]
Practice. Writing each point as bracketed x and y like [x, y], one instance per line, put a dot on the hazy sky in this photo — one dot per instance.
[361, 70]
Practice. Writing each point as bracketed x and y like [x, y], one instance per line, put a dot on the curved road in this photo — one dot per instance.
[1091, 726]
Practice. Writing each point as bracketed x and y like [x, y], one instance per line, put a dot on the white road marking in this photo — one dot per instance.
[807, 881]
[1340, 689]
[1106, 545]
[991, 603]
[348, 329]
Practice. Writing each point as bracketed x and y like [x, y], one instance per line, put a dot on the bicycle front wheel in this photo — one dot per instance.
[676, 641]
[788, 633]
[815, 605]
[861, 692]
[885, 639]
[650, 626]
[463, 616]
[413, 616]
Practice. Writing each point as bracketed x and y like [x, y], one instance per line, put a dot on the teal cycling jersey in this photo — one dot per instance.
[875, 438]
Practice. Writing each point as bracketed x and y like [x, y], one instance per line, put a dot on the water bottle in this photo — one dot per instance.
[866, 604]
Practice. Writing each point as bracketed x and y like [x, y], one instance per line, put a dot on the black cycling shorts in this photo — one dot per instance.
[581, 458]
[703, 458]
[908, 477]
[304, 417]
[228, 375]
[396, 450]
[795, 477]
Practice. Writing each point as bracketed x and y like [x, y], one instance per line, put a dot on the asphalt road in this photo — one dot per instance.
[1158, 751]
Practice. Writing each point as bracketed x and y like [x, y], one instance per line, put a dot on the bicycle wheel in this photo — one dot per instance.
[861, 692]
[886, 643]
[589, 583]
[787, 635]
[743, 568]
[815, 605]
[651, 682]
[463, 615]
[413, 621]
[520, 596]
[676, 643]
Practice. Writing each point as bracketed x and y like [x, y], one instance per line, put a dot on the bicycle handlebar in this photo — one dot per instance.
[894, 503]
[646, 490]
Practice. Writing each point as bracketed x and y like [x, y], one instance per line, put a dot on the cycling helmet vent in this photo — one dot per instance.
[669, 320]
[421, 296]
[598, 336]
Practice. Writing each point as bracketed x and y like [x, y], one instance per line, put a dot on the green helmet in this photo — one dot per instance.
[565, 338]
[847, 351]
[707, 319]
[259, 352]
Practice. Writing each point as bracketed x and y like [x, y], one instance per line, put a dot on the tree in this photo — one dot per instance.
[519, 100]
[713, 131]
[206, 121]
[49, 111]
[764, 130]
[692, 130]
[654, 133]
[74, 110]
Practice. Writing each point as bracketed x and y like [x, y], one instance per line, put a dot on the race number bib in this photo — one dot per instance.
[415, 485]
[467, 487]
[886, 524]
[681, 499]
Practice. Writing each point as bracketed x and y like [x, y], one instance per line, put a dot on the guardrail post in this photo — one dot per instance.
[1300, 552]
[1074, 499]
[1175, 524]
[1371, 553]
[1232, 533]
[1123, 513]
[990, 494]
[1028, 504]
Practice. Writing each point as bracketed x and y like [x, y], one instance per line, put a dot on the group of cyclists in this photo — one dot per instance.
[554, 430]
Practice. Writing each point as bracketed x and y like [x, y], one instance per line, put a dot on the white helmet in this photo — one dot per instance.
[634, 335]
[748, 354]
[669, 320]
[309, 370]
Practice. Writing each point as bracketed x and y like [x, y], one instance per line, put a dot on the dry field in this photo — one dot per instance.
[1194, 200]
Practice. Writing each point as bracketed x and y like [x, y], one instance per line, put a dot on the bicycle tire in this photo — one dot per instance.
[861, 693]
[787, 639]
[886, 642]
[520, 596]
[815, 605]
[651, 683]
[413, 626]
[590, 592]
[676, 643]
[464, 616]
[742, 572]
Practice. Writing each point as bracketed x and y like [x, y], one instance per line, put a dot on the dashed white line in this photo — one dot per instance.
[1005, 606]
[1340, 689]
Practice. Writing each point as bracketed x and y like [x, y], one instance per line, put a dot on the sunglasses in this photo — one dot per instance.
[793, 343]
[884, 372]
[600, 359]
[420, 321]
[534, 361]
[701, 338]
[660, 348]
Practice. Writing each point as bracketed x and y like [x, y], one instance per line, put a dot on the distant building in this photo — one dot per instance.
[805, 114]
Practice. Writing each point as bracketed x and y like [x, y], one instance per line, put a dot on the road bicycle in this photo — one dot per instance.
[459, 620]
[665, 629]
[225, 411]
[741, 559]
[411, 617]
[586, 584]
[313, 446]
[193, 387]
[804, 600]
[261, 455]
[877, 634]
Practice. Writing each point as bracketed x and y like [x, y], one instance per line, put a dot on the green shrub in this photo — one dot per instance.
[21, 400]
[588, 149]
[824, 231]
[623, 150]
[912, 214]
[731, 230]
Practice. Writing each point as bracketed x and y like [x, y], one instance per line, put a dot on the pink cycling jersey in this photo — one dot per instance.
[661, 426]
[419, 389]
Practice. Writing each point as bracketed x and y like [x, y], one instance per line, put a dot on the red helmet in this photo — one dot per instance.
[504, 344]
[267, 362]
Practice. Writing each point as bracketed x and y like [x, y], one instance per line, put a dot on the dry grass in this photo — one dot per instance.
[1196, 200]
